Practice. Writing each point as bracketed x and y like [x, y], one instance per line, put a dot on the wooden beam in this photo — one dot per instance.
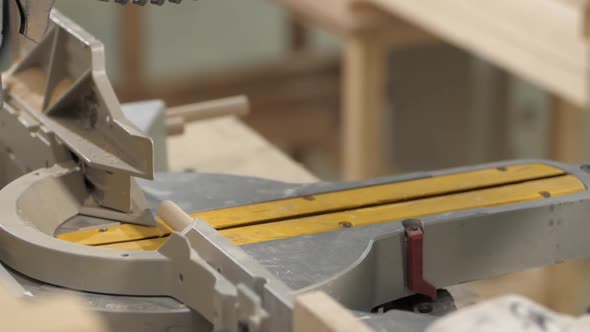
[567, 131]
[540, 40]
[363, 107]
[318, 312]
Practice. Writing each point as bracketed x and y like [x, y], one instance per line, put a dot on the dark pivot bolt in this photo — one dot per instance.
[424, 308]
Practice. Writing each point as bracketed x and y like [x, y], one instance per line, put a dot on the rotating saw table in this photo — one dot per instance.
[351, 240]
[73, 218]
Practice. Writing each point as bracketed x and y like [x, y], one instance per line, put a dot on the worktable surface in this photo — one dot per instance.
[226, 145]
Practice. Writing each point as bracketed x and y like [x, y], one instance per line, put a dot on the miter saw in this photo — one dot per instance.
[73, 218]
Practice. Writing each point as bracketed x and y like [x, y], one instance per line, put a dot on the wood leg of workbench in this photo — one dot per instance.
[566, 284]
[364, 77]
[567, 132]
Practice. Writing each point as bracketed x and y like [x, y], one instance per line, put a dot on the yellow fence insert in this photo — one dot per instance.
[344, 209]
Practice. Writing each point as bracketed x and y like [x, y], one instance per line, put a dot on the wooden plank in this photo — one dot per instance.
[531, 283]
[226, 145]
[540, 40]
[63, 313]
[318, 312]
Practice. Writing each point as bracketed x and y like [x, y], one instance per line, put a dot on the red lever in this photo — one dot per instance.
[415, 259]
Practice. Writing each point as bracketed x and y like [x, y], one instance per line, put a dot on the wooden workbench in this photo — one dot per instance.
[227, 145]
[367, 35]
[543, 41]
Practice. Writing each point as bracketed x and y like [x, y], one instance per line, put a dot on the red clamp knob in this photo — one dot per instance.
[415, 260]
